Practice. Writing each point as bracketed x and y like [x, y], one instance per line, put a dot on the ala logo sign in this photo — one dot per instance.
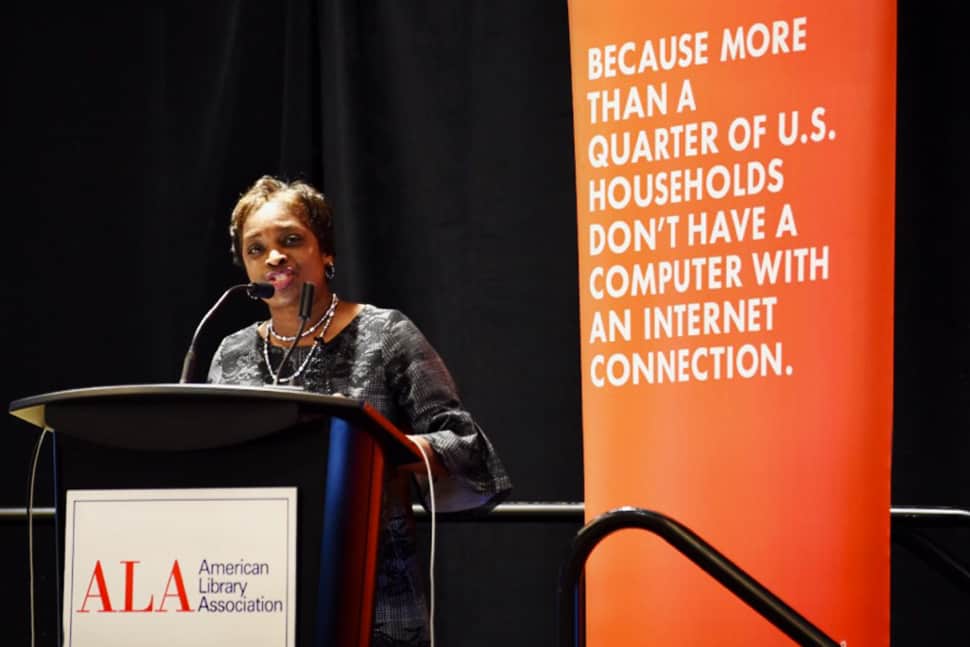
[186, 567]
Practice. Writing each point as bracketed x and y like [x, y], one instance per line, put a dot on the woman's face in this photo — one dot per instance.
[279, 248]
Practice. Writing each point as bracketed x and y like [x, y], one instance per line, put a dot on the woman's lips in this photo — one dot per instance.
[281, 279]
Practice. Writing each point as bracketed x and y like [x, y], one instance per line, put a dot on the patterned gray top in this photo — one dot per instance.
[382, 358]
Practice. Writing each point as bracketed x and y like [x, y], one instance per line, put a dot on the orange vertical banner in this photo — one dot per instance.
[735, 170]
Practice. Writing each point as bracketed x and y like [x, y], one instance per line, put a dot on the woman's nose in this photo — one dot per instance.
[275, 258]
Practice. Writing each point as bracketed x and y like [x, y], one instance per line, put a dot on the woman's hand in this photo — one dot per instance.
[437, 467]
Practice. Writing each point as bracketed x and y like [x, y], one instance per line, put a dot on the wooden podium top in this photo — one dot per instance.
[179, 417]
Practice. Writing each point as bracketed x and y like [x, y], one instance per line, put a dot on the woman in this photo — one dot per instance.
[282, 233]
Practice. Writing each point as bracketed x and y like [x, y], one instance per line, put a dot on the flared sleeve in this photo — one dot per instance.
[425, 392]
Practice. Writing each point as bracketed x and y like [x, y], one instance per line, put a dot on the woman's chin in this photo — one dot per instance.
[282, 301]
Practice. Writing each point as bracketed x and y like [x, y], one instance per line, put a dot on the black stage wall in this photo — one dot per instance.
[443, 133]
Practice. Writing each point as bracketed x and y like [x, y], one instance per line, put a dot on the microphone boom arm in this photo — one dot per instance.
[255, 291]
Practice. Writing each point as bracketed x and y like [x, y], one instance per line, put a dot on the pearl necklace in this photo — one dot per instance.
[325, 320]
[309, 331]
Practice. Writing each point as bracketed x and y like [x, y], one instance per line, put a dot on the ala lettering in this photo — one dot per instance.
[98, 589]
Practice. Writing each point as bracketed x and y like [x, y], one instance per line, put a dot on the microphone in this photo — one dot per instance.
[258, 291]
[306, 305]
[254, 290]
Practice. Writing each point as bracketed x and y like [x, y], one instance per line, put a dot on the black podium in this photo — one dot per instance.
[333, 449]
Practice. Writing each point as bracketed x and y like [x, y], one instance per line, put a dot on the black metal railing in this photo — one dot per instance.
[771, 607]
[909, 524]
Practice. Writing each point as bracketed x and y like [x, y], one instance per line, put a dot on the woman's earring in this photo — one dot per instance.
[329, 271]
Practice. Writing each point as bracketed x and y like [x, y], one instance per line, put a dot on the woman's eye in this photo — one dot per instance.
[254, 250]
[292, 239]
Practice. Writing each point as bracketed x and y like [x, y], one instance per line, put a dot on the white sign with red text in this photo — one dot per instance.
[180, 567]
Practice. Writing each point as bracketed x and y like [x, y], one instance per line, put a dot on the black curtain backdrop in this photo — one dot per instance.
[443, 133]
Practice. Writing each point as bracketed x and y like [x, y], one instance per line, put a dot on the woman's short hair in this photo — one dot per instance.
[315, 208]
